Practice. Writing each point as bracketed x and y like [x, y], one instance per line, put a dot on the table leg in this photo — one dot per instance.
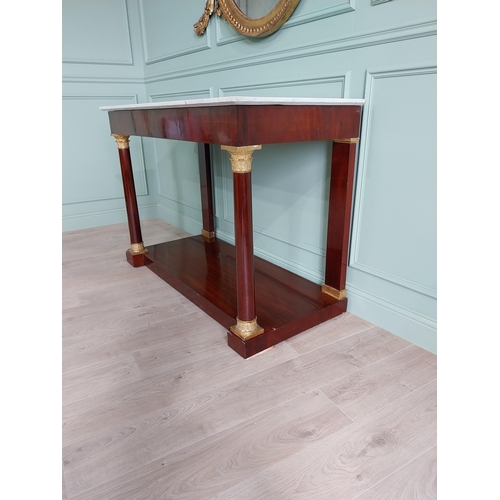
[339, 216]
[246, 322]
[135, 254]
[207, 204]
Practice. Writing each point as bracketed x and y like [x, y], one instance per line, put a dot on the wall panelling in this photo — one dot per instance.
[341, 48]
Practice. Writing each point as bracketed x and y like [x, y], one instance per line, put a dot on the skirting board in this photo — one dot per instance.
[104, 218]
[361, 304]
[384, 316]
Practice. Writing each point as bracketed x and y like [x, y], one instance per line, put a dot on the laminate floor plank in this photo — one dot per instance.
[145, 313]
[92, 275]
[108, 293]
[185, 386]
[84, 243]
[156, 405]
[380, 383]
[99, 378]
[174, 333]
[225, 459]
[416, 481]
[98, 298]
[112, 299]
[328, 332]
[186, 352]
[308, 372]
[101, 270]
[190, 420]
[64, 495]
[76, 282]
[349, 462]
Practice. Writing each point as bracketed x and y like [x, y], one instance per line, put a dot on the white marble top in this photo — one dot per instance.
[250, 101]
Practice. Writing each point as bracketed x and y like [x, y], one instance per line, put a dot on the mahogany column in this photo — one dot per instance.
[207, 204]
[135, 254]
[339, 216]
[246, 322]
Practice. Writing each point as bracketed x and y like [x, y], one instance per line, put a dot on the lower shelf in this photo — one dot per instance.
[205, 273]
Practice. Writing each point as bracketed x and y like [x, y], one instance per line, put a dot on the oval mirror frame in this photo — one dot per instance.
[261, 27]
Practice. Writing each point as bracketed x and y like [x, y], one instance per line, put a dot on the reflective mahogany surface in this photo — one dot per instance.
[205, 269]
[236, 125]
[205, 272]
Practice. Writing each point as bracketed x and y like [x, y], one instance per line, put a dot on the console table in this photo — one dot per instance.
[259, 303]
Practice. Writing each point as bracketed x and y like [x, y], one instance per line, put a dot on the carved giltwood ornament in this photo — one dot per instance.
[201, 25]
[208, 235]
[137, 248]
[122, 141]
[333, 292]
[353, 140]
[263, 26]
[246, 330]
[241, 157]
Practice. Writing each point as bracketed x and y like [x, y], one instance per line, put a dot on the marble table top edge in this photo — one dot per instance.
[228, 101]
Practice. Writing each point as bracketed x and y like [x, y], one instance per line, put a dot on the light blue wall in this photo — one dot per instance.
[329, 48]
[103, 64]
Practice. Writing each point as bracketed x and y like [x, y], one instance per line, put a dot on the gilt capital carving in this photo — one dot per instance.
[122, 141]
[241, 157]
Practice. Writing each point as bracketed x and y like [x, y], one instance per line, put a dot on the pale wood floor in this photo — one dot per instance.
[156, 405]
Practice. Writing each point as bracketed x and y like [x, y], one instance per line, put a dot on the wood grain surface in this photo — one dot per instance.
[152, 410]
[350, 461]
[416, 480]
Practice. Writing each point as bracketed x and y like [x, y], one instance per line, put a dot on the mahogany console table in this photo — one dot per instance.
[259, 303]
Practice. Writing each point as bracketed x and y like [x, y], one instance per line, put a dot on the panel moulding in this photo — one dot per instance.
[128, 62]
[169, 55]
[174, 96]
[342, 78]
[349, 43]
[371, 76]
[74, 222]
[403, 311]
[136, 140]
[102, 63]
[295, 20]
[288, 264]
[415, 328]
[103, 80]
[181, 220]
[227, 214]
[98, 213]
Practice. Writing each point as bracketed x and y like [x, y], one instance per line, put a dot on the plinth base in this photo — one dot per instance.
[205, 273]
[134, 259]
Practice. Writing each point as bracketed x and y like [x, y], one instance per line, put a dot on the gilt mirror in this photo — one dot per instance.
[254, 18]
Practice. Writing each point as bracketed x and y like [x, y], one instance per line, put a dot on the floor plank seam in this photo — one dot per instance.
[178, 403]
[90, 365]
[288, 457]
[421, 388]
[333, 403]
[394, 472]
[210, 437]
[371, 363]
[251, 412]
[333, 326]
[292, 348]
[329, 344]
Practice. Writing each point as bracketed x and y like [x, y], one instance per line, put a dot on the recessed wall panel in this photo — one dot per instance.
[168, 30]
[306, 12]
[290, 185]
[177, 161]
[90, 158]
[325, 49]
[394, 233]
[96, 32]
